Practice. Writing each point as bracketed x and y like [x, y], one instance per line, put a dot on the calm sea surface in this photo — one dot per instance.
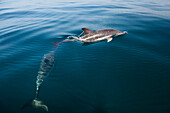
[130, 74]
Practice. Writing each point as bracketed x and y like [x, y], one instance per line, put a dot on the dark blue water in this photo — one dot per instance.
[130, 74]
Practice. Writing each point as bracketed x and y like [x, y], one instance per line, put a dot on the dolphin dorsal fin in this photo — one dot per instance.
[87, 31]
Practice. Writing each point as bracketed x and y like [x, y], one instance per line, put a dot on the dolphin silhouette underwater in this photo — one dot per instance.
[46, 66]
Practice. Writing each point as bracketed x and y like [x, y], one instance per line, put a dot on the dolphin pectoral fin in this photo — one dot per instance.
[109, 39]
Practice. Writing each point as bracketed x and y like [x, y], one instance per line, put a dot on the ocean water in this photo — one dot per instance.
[130, 74]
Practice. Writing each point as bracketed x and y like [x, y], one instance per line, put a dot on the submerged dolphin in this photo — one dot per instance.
[96, 36]
[47, 63]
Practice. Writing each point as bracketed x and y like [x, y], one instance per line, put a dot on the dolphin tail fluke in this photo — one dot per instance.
[56, 44]
[35, 104]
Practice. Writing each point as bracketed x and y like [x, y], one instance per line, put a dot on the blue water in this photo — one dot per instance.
[130, 74]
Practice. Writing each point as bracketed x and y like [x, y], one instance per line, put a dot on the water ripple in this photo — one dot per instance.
[124, 75]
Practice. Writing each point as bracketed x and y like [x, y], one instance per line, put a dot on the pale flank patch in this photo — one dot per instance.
[95, 40]
[91, 37]
[103, 38]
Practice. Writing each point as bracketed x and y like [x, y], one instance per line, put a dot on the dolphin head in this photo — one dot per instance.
[120, 33]
[111, 32]
[39, 104]
[35, 104]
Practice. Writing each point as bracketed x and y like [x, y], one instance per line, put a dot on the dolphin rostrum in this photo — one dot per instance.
[47, 63]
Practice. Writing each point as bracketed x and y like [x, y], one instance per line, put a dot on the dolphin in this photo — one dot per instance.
[96, 36]
[91, 36]
[46, 66]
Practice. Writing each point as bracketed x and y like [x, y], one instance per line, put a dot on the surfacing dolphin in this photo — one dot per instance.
[47, 63]
[96, 36]
[93, 36]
